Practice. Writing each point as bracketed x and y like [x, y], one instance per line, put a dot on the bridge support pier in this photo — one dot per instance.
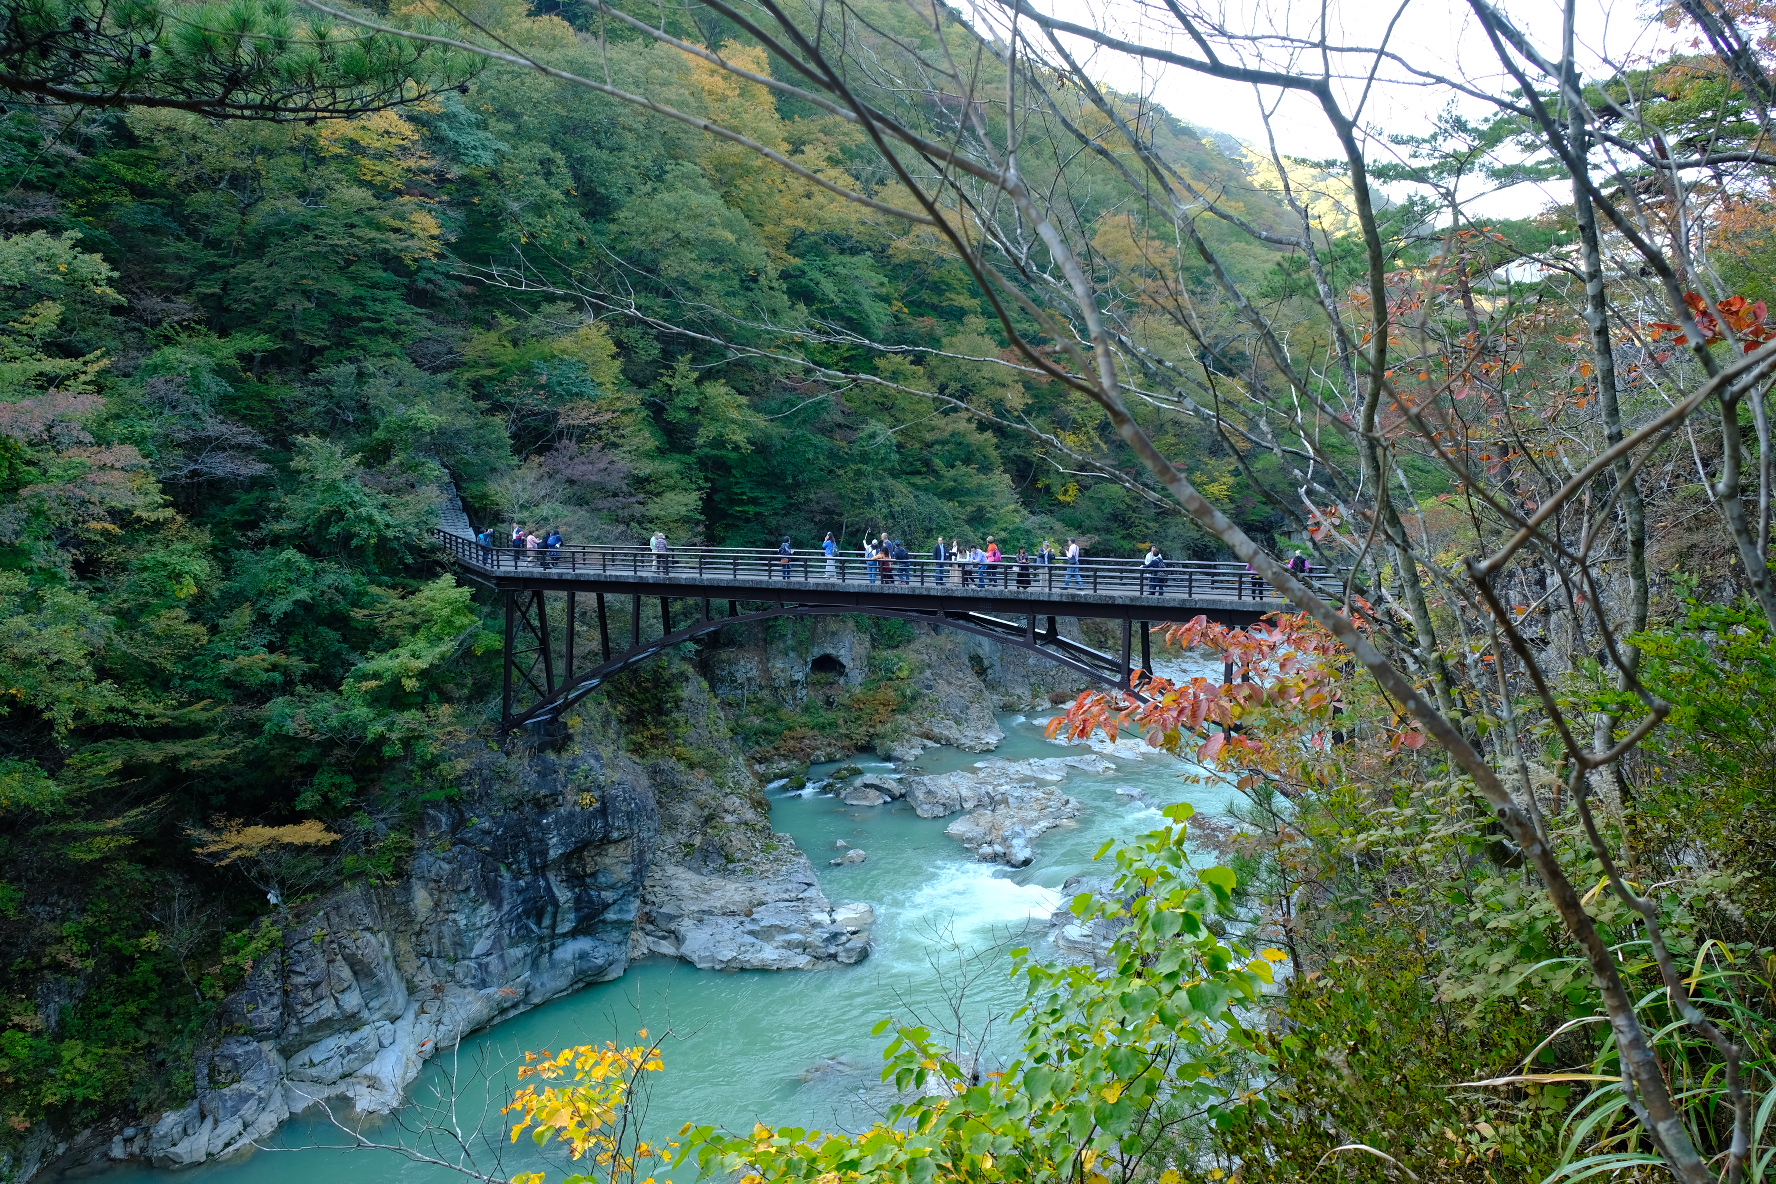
[527, 613]
[604, 633]
[567, 648]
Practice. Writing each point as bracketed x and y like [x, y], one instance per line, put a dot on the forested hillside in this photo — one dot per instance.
[1496, 903]
[239, 357]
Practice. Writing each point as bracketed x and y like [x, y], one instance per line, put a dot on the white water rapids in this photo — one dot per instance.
[790, 1048]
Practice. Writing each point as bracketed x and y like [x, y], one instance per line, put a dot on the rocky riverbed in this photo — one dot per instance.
[1005, 805]
[551, 871]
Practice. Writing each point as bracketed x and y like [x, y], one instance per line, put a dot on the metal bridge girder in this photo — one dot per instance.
[543, 677]
[551, 698]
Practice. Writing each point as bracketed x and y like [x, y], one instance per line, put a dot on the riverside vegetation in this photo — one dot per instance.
[1500, 905]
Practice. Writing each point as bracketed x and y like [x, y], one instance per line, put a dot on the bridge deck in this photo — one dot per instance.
[1108, 589]
[551, 661]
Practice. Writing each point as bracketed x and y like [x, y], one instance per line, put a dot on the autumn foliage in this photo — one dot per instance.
[590, 1114]
[1289, 670]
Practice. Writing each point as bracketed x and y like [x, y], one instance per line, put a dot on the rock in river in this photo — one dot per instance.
[1008, 807]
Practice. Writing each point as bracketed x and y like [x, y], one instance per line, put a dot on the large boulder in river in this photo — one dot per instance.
[884, 784]
[1008, 804]
[1004, 834]
[780, 935]
[719, 922]
[872, 789]
[989, 783]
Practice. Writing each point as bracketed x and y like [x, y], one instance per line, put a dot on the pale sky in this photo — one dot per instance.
[1443, 35]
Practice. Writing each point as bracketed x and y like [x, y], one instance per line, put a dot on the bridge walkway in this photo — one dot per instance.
[551, 663]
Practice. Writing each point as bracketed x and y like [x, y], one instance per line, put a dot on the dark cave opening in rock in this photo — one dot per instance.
[827, 664]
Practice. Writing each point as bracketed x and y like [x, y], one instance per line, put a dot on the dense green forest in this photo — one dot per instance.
[238, 359]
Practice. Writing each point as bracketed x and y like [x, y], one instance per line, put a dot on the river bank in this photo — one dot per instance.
[788, 1047]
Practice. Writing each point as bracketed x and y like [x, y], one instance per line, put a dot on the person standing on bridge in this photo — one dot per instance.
[1153, 572]
[787, 552]
[1074, 579]
[1023, 567]
[940, 555]
[995, 557]
[831, 547]
[871, 560]
[661, 551]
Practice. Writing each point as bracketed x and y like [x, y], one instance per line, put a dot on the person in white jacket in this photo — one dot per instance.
[1153, 572]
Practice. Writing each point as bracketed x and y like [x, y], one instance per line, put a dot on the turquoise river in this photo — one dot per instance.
[792, 1048]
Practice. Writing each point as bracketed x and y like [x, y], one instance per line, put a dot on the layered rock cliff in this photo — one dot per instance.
[547, 871]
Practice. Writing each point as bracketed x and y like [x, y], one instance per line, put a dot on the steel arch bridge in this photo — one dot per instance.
[663, 599]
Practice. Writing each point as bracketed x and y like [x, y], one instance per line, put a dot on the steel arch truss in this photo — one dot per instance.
[542, 680]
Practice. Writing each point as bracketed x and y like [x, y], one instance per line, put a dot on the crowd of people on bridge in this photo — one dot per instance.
[543, 548]
[886, 560]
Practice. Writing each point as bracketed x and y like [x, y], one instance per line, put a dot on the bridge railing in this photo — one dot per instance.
[1181, 578]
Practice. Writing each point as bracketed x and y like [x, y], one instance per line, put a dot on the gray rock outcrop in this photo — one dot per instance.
[1090, 942]
[1004, 833]
[990, 781]
[872, 789]
[531, 896]
[549, 874]
[1008, 805]
[724, 923]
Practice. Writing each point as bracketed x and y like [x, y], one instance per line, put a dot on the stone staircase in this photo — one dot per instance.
[452, 518]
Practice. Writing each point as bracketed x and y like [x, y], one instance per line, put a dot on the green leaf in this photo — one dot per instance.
[1222, 879]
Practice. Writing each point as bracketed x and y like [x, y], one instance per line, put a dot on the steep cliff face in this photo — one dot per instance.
[549, 871]
[525, 889]
[547, 874]
[725, 891]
